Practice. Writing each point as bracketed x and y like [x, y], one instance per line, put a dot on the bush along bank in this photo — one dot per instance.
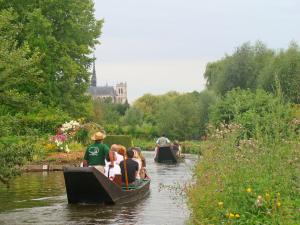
[250, 173]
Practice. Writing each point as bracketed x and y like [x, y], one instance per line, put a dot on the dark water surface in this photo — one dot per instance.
[40, 198]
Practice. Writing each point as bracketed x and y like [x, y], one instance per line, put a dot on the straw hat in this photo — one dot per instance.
[98, 136]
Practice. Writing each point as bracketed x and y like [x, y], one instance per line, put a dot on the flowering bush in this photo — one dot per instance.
[60, 141]
[65, 134]
[70, 128]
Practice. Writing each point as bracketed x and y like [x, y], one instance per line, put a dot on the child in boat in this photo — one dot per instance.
[110, 172]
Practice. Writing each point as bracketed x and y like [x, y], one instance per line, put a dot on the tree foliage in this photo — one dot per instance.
[256, 66]
[240, 69]
[44, 70]
[49, 43]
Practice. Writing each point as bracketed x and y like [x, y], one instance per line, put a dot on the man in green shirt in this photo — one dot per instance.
[95, 153]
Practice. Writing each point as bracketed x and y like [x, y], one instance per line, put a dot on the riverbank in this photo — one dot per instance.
[252, 182]
[55, 162]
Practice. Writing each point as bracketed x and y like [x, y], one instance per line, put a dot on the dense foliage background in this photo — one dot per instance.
[44, 70]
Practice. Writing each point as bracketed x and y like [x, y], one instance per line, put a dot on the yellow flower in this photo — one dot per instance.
[249, 190]
[237, 215]
[220, 204]
[231, 215]
[267, 196]
[278, 194]
[278, 204]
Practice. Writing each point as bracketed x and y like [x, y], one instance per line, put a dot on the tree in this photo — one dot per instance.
[19, 73]
[284, 70]
[240, 69]
[63, 33]
[133, 117]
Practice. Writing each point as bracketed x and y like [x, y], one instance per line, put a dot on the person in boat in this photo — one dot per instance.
[162, 141]
[110, 171]
[117, 149]
[95, 153]
[132, 168]
[137, 158]
[142, 162]
[176, 148]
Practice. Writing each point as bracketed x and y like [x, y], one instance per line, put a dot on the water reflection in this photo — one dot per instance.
[40, 198]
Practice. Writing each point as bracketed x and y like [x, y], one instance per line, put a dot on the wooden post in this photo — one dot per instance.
[125, 170]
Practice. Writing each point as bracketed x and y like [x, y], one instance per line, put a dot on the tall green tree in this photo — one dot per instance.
[240, 69]
[19, 73]
[63, 33]
[283, 70]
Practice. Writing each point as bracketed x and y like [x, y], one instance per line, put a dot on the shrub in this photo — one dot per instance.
[42, 122]
[14, 152]
[253, 183]
[260, 114]
[192, 147]
[124, 140]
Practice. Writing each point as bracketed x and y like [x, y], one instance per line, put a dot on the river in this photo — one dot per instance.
[40, 198]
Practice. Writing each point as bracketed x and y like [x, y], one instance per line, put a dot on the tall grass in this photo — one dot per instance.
[247, 184]
[253, 178]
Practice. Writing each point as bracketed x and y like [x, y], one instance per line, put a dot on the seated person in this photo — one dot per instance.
[140, 159]
[139, 150]
[137, 158]
[176, 148]
[117, 148]
[132, 168]
[110, 171]
[95, 153]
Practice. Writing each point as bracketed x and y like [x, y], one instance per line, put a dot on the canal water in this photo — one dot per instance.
[40, 198]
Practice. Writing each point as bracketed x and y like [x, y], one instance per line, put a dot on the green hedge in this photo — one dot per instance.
[43, 122]
[124, 140]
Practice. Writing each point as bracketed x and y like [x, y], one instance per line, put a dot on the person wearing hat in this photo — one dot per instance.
[95, 153]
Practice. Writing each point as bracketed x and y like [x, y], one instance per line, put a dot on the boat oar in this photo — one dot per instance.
[126, 175]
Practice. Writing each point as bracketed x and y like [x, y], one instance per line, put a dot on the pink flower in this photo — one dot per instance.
[59, 137]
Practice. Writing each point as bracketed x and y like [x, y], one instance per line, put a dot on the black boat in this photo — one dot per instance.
[88, 185]
[166, 155]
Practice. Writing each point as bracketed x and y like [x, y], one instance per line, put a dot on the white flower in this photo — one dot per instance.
[67, 149]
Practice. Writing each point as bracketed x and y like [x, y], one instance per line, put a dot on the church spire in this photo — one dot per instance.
[94, 78]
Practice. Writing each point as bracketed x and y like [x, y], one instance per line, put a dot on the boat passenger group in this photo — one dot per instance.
[116, 160]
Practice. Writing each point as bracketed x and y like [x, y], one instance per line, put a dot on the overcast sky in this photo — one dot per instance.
[161, 45]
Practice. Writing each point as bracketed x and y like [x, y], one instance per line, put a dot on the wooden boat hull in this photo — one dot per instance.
[88, 185]
[166, 155]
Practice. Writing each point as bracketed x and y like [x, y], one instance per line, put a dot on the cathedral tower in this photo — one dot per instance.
[121, 91]
[94, 78]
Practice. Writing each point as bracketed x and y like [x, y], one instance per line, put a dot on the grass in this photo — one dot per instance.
[252, 183]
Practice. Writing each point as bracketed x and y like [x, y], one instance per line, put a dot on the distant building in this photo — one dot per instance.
[118, 93]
